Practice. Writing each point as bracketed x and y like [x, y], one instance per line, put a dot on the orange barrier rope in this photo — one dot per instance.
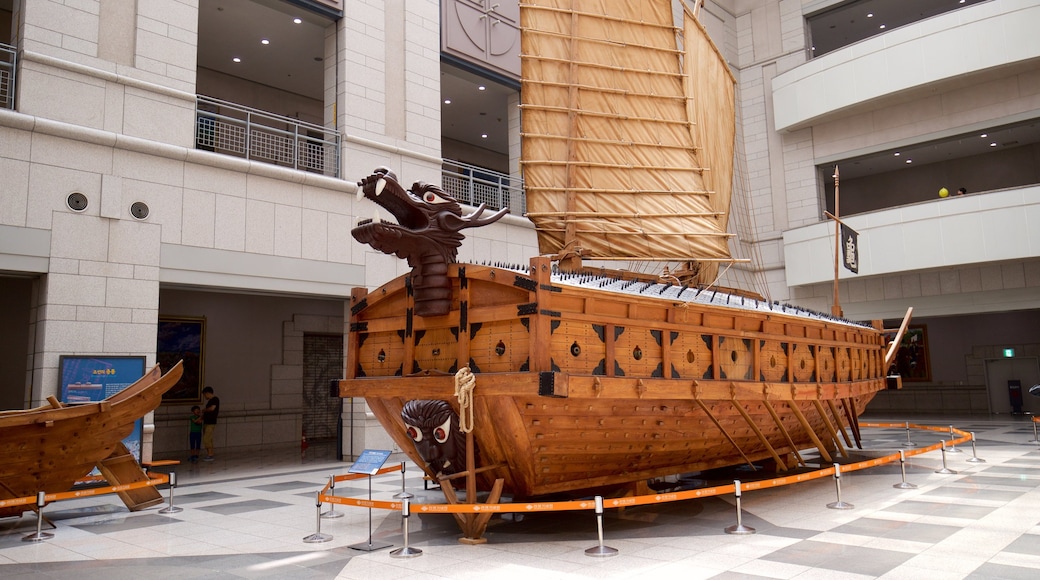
[643, 499]
[155, 479]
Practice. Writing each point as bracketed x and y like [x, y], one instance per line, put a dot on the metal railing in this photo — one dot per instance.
[475, 185]
[8, 68]
[233, 129]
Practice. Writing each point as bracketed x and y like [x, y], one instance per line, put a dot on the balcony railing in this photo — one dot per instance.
[8, 67]
[474, 185]
[233, 129]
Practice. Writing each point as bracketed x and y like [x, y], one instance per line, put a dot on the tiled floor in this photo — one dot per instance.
[245, 515]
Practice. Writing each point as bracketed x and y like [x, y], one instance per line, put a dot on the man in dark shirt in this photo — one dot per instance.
[209, 421]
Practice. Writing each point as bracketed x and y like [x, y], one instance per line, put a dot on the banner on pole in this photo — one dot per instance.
[850, 248]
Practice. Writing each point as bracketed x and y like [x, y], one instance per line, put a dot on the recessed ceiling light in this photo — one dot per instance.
[236, 59]
[297, 21]
[447, 101]
[481, 88]
[264, 41]
[896, 154]
[992, 144]
[983, 136]
[483, 135]
[882, 27]
[909, 160]
[870, 15]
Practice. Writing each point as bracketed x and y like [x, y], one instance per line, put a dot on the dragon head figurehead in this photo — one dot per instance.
[434, 428]
[427, 233]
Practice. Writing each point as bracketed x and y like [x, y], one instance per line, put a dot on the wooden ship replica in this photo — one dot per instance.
[583, 379]
[50, 448]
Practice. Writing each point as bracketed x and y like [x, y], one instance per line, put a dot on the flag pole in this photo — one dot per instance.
[836, 307]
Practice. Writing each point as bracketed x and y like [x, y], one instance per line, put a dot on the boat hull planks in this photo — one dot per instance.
[571, 392]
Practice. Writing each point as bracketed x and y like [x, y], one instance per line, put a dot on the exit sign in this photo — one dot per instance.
[1009, 353]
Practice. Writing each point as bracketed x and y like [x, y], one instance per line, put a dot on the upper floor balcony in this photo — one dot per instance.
[955, 231]
[972, 40]
[233, 129]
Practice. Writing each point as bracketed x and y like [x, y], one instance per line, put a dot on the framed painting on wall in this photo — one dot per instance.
[182, 338]
[912, 361]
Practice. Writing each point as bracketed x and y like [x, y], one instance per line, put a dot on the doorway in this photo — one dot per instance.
[1000, 371]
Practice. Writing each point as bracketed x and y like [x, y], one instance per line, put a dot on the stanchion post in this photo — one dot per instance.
[974, 457]
[40, 535]
[332, 513]
[171, 509]
[953, 447]
[739, 528]
[407, 551]
[839, 505]
[944, 470]
[902, 469]
[317, 536]
[404, 494]
[908, 443]
[1036, 439]
[600, 551]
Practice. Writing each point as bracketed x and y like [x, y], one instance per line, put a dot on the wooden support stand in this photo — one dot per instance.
[121, 468]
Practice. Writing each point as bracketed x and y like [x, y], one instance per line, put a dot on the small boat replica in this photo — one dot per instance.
[553, 378]
[49, 448]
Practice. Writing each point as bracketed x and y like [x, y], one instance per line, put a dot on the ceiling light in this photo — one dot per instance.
[983, 136]
[992, 144]
[483, 135]
[264, 41]
[297, 21]
[447, 101]
[909, 160]
[236, 59]
[870, 15]
[481, 88]
[882, 27]
[896, 154]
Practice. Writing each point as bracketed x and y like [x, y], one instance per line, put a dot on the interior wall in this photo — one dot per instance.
[243, 339]
[240, 91]
[1012, 167]
[953, 339]
[466, 153]
[15, 299]
[5, 27]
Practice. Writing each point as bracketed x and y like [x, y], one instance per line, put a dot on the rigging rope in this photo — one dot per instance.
[464, 384]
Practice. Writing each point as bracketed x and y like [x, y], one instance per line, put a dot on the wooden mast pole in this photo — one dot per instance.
[570, 255]
[836, 307]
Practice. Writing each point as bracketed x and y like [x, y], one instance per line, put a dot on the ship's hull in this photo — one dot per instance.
[49, 448]
[580, 388]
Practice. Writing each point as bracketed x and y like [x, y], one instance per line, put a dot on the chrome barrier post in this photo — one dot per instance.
[317, 536]
[404, 494]
[407, 551]
[1035, 438]
[944, 470]
[902, 469]
[839, 505]
[171, 509]
[40, 535]
[953, 448]
[739, 528]
[974, 458]
[332, 513]
[600, 551]
[908, 443]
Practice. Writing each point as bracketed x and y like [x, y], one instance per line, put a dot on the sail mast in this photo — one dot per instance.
[836, 307]
[570, 255]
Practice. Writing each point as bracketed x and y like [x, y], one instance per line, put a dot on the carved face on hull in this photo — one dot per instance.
[434, 427]
[427, 233]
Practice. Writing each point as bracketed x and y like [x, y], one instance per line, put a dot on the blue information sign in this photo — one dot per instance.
[88, 379]
[370, 461]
